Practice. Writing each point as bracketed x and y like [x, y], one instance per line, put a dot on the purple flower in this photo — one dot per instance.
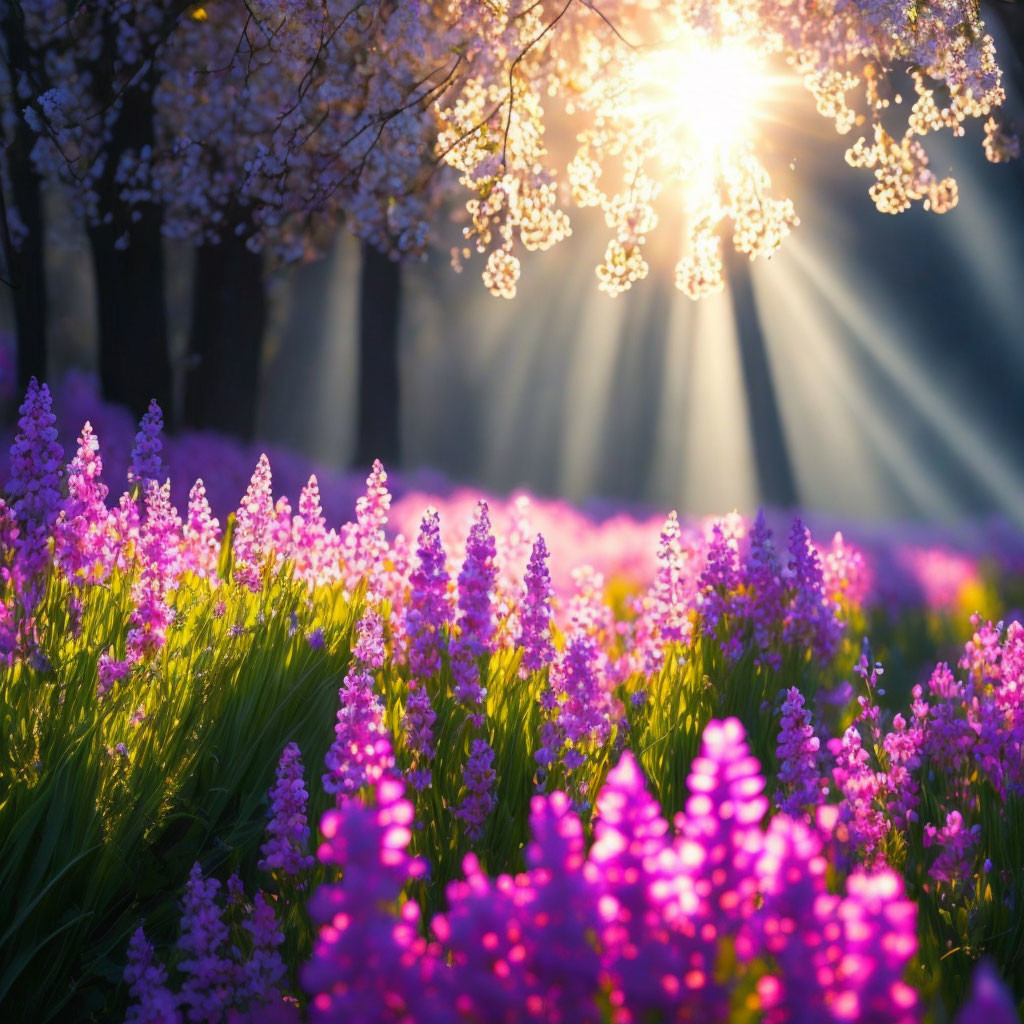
[812, 620]
[957, 845]
[210, 976]
[365, 543]
[264, 971]
[370, 650]
[478, 778]
[863, 792]
[535, 617]
[37, 463]
[288, 832]
[477, 579]
[201, 534]
[764, 604]
[719, 598]
[990, 1001]
[254, 523]
[800, 785]
[360, 943]
[429, 611]
[361, 753]
[84, 535]
[152, 1000]
[146, 466]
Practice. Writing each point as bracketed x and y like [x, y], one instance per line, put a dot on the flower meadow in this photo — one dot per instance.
[472, 759]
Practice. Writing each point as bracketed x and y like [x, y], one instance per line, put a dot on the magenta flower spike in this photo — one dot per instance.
[366, 543]
[764, 605]
[671, 596]
[37, 463]
[478, 778]
[723, 816]
[812, 619]
[719, 597]
[159, 565]
[152, 1001]
[146, 466]
[264, 972]
[361, 753]
[254, 523]
[429, 611]
[367, 965]
[288, 831]
[801, 787]
[309, 542]
[957, 849]
[476, 625]
[202, 534]
[84, 535]
[535, 617]
[210, 976]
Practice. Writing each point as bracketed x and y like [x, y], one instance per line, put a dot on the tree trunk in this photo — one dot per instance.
[229, 315]
[132, 320]
[380, 292]
[128, 258]
[26, 268]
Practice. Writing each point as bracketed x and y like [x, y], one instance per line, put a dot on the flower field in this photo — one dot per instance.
[465, 758]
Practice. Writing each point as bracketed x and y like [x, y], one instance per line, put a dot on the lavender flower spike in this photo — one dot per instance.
[288, 831]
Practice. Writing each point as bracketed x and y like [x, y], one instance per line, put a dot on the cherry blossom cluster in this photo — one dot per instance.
[272, 121]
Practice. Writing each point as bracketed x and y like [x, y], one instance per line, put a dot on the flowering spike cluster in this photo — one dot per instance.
[254, 523]
[640, 921]
[201, 534]
[264, 972]
[812, 620]
[152, 1000]
[361, 754]
[671, 596]
[477, 579]
[764, 604]
[288, 833]
[478, 778]
[160, 563]
[369, 648]
[427, 616]
[476, 625]
[719, 587]
[312, 545]
[37, 462]
[957, 847]
[535, 618]
[146, 466]
[84, 537]
[366, 544]
[576, 706]
[800, 785]
[863, 793]
[360, 943]
[210, 976]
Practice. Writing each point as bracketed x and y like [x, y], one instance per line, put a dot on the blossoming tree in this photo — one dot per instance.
[254, 127]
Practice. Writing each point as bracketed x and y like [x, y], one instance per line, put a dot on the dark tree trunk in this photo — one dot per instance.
[775, 478]
[26, 267]
[380, 293]
[128, 258]
[229, 316]
[132, 321]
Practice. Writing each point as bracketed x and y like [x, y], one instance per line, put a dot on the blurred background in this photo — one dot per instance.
[872, 369]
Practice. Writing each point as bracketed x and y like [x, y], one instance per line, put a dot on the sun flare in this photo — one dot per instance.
[709, 97]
